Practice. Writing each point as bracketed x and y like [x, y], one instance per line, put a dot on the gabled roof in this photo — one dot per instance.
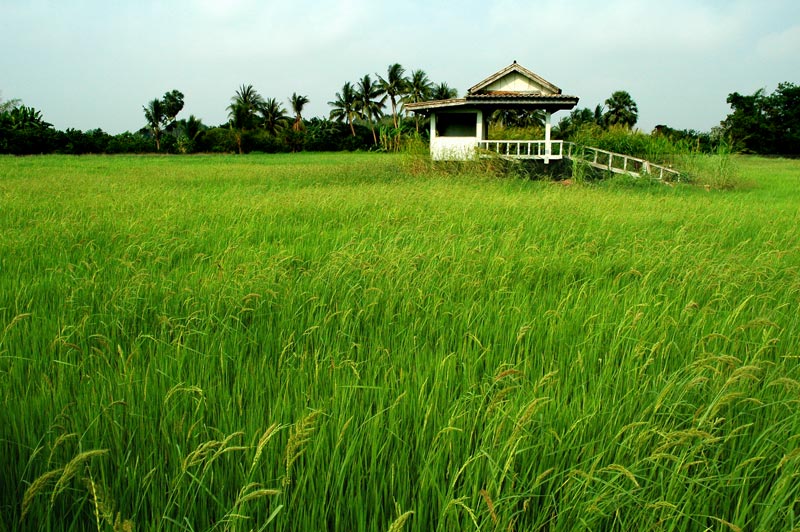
[514, 87]
[484, 86]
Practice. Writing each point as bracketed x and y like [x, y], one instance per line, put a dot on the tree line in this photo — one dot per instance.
[368, 114]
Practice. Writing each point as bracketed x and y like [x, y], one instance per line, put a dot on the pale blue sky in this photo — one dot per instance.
[95, 63]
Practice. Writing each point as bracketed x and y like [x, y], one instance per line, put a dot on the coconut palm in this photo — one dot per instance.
[345, 106]
[190, 127]
[519, 118]
[419, 87]
[394, 86]
[186, 131]
[369, 106]
[297, 102]
[242, 112]
[245, 105]
[572, 123]
[443, 92]
[239, 120]
[622, 110]
[600, 115]
[418, 90]
[154, 114]
[273, 116]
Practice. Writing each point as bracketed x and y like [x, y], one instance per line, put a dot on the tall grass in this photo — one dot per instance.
[711, 170]
[336, 342]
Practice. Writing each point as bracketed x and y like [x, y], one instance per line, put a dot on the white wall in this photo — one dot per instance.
[456, 148]
[453, 148]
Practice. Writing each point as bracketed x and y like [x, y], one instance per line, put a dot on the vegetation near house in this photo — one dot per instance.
[621, 110]
[350, 341]
[765, 123]
[369, 114]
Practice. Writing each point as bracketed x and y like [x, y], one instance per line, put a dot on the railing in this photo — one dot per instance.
[619, 163]
[603, 159]
[523, 149]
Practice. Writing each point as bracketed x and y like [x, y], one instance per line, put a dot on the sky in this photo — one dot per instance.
[95, 63]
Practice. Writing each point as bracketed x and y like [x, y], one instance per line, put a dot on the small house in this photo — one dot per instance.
[459, 126]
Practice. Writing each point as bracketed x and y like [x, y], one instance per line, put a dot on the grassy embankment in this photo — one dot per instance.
[315, 342]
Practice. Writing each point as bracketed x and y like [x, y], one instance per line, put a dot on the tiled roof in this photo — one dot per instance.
[518, 96]
[519, 100]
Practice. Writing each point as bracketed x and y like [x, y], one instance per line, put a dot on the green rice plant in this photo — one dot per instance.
[365, 342]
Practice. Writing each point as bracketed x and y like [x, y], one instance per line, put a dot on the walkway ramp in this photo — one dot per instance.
[617, 163]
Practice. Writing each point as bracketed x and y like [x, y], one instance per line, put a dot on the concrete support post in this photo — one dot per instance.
[478, 130]
[548, 148]
[434, 154]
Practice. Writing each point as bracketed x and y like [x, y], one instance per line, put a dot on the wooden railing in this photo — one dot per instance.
[523, 149]
[619, 163]
[595, 157]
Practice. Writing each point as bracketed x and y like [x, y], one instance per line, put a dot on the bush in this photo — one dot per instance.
[216, 140]
[131, 143]
[261, 141]
[76, 142]
[324, 135]
[29, 141]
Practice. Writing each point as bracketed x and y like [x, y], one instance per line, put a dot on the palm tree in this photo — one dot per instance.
[245, 103]
[443, 92]
[191, 127]
[368, 105]
[297, 102]
[418, 90]
[599, 115]
[186, 132]
[519, 118]
[345, 106]
[273, 116]
[239, 119]
[394, 86]
[154, 114]
[622, 110]
[572, 123]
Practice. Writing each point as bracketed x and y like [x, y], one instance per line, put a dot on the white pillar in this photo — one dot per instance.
[478, 130]
[433, 134]
[547, 146]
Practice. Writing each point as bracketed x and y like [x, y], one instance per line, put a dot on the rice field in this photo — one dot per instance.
[360, 342]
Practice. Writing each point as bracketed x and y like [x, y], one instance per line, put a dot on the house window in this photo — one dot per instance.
[456, 124]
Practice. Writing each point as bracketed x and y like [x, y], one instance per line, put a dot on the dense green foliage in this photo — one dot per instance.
[621, 111]
[758, 123]
[161, 114]
[765, 123]
[362, 342]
